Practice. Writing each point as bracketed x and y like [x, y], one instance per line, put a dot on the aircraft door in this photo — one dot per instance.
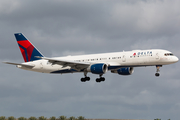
[41, 65]
[123, 58]
[157, 56]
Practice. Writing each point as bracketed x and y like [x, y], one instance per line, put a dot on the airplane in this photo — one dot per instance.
[121, 63]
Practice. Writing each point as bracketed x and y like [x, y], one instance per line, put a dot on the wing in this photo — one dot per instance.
[76, 65]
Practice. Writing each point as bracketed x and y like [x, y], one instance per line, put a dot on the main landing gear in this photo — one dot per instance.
[88, 78]
[85, 78]
[100, 79]
[157, 70]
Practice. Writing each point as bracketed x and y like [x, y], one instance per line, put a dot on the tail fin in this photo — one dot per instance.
[28, 50]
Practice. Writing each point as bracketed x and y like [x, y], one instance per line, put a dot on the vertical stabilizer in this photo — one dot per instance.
[28, 50]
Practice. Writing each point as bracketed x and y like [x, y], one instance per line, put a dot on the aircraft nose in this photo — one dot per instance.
[176, 59]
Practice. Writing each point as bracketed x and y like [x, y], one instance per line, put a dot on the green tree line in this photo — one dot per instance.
[42, 118]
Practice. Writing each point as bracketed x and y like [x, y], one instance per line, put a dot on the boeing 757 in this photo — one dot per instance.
[121, 63]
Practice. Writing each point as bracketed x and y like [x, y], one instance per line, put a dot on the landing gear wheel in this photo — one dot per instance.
[157, 74]
[98, 80]
[102, 79]
[85, 79]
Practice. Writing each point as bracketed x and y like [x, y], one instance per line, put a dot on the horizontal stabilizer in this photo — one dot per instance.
[25, 65]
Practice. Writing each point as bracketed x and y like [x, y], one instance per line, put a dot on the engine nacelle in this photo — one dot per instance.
[124, 71]
[99, 68]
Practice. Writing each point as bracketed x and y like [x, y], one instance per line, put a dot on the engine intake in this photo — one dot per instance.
[124, 71]
[99, 68]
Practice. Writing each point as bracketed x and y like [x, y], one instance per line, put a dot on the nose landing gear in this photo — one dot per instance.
[157, 70]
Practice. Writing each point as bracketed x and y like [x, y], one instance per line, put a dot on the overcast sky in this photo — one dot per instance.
[74, 27]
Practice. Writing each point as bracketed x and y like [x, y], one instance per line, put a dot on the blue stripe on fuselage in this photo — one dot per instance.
[65, 71]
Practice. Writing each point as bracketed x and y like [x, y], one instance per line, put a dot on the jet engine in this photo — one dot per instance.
[124, 71]
[99, 68]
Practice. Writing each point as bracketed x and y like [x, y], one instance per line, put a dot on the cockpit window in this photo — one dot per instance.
[171, 54]
[168, 54]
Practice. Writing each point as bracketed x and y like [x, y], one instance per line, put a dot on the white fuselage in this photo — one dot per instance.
[116, 60]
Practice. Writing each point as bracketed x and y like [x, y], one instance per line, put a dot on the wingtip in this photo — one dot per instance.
[5, 62]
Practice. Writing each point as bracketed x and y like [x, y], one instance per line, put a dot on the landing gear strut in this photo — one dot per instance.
[85, 78]
[100, 79]
[157, 70]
